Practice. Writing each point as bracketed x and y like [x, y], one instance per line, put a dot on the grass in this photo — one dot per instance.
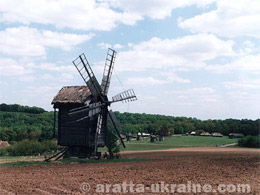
[24, 163]
[73, 160]
[9, 159]
[145, 144]
[176, 142]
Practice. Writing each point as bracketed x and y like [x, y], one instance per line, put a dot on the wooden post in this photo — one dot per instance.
[54, 123]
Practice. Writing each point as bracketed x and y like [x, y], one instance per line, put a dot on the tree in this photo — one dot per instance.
[112, 142]
[21, 135]
[34, 135]
[7, 134]
[164, 131]
[171, 131]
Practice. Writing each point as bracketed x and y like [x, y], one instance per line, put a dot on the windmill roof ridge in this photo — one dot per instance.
[72, 94]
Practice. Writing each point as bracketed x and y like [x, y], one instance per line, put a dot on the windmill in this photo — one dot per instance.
[83, 110]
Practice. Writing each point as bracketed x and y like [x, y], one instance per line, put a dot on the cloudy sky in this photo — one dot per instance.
[194, 58]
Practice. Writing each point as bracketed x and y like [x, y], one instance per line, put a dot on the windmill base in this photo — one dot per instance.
[81, 152]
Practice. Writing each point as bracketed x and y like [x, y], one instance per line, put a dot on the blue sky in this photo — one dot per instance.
[193, 58]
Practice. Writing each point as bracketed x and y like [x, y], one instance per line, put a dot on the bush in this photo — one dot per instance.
[112, 143]
[250, 141]
[27, 148]
[3, 152]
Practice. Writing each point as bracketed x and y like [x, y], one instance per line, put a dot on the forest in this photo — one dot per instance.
[19, 122]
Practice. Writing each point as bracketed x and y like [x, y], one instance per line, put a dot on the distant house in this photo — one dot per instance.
[216, 134]
[193, 133]
[235, 135]
[139, 136]
[4, 144]
[153, 138]
[134, 136]
[145, 134]
[129, 137]
[205, 134]
[122, 136]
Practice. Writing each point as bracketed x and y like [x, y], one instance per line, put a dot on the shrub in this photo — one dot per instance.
[3, 152]
[250, 141]
[28, 147]
[112, 143]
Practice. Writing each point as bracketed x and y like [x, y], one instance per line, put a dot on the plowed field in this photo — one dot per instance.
[187, 166]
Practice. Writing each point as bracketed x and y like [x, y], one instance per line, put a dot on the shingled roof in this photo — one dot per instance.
[72, 94]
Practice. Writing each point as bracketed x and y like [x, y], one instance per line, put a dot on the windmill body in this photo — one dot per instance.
[83, 110]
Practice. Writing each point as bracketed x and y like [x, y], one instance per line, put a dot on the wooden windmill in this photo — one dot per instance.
[83, 110]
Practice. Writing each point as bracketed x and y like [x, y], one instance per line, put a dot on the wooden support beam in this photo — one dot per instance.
[54, 123]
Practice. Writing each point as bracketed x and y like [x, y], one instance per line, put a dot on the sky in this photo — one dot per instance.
[192, 58]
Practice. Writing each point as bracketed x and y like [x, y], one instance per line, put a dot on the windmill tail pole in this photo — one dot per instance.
[54, 123]
[61, 153]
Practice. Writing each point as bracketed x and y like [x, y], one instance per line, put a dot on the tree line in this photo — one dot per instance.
[22, 122]
[19, 108]
[152, 123]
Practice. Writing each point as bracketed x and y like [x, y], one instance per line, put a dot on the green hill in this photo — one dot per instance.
[23, 122]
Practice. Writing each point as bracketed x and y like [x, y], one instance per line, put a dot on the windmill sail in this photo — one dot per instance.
[99, 126]
[93, 109]
[114, 122]
[84, 69]
[109, 65]
[128, 95]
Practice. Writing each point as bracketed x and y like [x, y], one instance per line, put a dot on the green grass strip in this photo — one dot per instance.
[74, 160]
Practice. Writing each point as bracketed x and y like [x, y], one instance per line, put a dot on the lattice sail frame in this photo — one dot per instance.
[108, 69]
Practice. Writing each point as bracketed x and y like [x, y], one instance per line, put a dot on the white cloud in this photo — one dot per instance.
[186, 53]
[153, 8]
[247, 84]
[28, 71]
[198, 91]
[47, 77]
[40, 90]
[238, 95]
[103, 45]
[144, 81]
[167, 77]
[38, 95]
[27, 78]
[77, 14]
[61, 77]
[57, 73]
[147, 97]
[231, 18]
[130, 44]
[25, 41]
[56, 68]
[193, 96]
[172, 77]
[88, 15]
[118, 46]
[10, 67]
[242, 96]
[247, 64]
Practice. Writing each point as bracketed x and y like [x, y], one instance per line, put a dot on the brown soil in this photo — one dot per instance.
[212, 166]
